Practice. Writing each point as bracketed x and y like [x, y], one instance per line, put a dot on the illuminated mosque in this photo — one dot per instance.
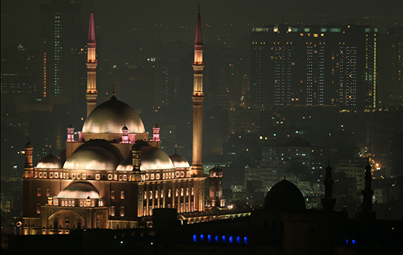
[114, 175]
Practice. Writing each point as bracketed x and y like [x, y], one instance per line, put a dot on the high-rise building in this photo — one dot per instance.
[314, 65]
[62, 48]
[391, 67]
[19, 72]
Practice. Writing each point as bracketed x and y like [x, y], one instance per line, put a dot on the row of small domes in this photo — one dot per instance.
[101, 155]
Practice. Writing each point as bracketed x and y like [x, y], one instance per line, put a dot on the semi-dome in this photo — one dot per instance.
[284, 197]
[79, 190]
[151, 159]
[94, 155]
[111, 116]
[50, 161]
[179, 161]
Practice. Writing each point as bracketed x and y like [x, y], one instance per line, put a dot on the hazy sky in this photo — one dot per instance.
[117, 19]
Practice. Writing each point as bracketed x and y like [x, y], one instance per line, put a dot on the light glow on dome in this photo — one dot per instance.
[111, 116]
[92, 158]
[179, 161]
[47, 165]
[151, 159]
[49, 161]
[79, 190]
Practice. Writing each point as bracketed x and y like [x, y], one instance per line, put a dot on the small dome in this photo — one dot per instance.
[70, 126]
[79, 190]
[111, 116]
[215, 172]
[151, 159]
[124, 128]
[179, 161]
[28, 145]
[94, 155]
[156, 126]
[284, 197]
[50, 161]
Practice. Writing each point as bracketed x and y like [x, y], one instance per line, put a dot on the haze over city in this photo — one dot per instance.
[230, 106]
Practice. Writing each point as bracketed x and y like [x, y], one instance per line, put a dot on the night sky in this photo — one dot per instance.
[119, 22]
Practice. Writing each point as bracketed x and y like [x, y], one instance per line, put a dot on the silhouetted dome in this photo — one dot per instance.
[79, 190]
[111, 116]
[284, 197]
[50, 161]
[151, 159]
[124, 128]
[179, 161]
[94, 155]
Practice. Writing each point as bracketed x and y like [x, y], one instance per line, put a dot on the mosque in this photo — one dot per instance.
[114, 174]
[114, 178]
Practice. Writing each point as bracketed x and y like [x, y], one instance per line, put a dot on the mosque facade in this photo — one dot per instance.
[115, 173]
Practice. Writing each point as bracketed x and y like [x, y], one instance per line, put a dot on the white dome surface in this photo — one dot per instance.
[151, 159]
[79, 190]
[179, 161]
[94, 155]
[50, 161]
[111, 116]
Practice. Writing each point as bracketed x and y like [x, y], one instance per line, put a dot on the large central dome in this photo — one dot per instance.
[111, 116]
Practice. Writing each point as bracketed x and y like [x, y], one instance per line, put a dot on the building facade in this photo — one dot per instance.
[113, 174]
[314, 65]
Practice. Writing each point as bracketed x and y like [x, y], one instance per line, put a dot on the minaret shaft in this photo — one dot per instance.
[198, 97]
[91, 92]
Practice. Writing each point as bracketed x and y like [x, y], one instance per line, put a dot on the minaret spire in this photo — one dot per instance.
[367, 213]
[198, 97]
[328, 202]
[91, 92]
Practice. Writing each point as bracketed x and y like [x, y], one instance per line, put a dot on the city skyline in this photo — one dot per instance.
[147, 52]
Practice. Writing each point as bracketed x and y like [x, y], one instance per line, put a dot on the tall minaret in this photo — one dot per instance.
[91, 92]
[328, 202]
[367, 213]
[198, 97]
[28, 167]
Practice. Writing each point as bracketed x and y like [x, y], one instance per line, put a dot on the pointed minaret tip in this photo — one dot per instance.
[198, 39]
[91, 30]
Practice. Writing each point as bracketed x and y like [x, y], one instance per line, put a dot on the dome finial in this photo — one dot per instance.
[113, 92]
[176, 149]
[50, 149]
